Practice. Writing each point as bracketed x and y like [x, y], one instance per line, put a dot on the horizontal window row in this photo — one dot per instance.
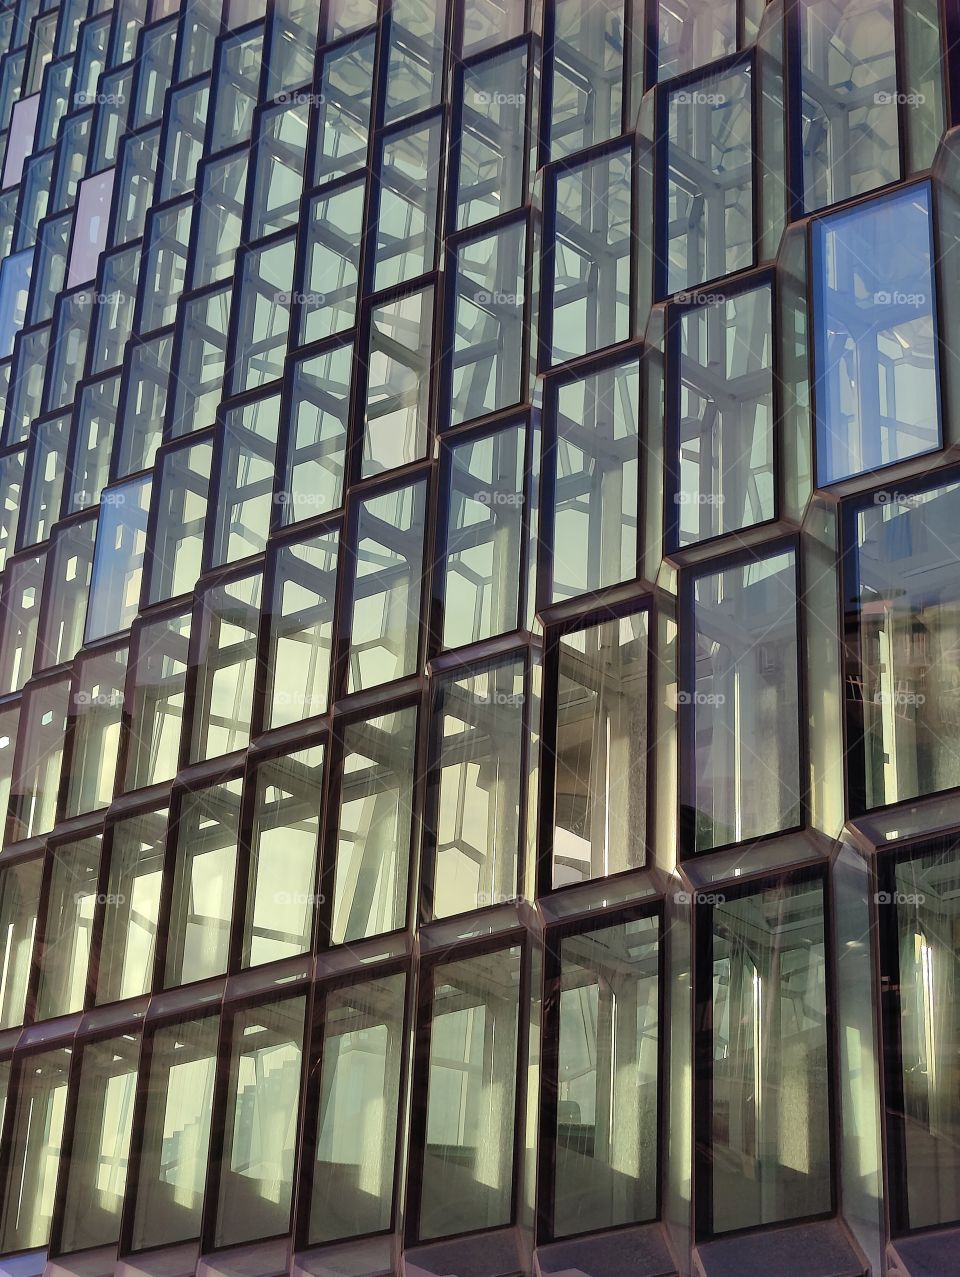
[197, 1131]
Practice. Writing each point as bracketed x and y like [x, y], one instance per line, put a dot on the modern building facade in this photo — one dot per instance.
[480, 638]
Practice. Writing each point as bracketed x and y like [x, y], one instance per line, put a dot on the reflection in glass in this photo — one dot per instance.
[160, 651]
[693, 33]
[97, 1168]
[19, 892]
[595, 464]
[230, 616]
[283, 856]
[588, 295]
[770, 1120]
[301, 629]
[118, 559]
[926, 896]
[600, 784]
[849, 83]
[492, 138]
[260, 1139]
[467, 1180]
[478, 729]
[709, 188]
[205, 838]
[172, 1161]
[410, 168]
[388, 582]
[484, 537]
[375, 828]
[725, 462]
[317, 435]
[876, 338]
[903, 702]
[34, 1153]
[398, 367]
[487, 341]
[606, 1114]
[132, 907]
[586, 73]
[742, 706]
[360, 1062]
[68, 927]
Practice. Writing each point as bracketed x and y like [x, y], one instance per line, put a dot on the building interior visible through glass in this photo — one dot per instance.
[479, 638]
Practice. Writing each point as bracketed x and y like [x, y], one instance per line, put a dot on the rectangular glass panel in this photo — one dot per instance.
[34, 1154]
[19, 893]
[600, 785]
[316, 425]
[607, 1096]
[478, 730]
[260, 1140]
[96, 712]
[230, 616]
[360, 1063]
[284, 846]
[876, 335]
[97, 1168]
[725, 462]
[118, 560]
[159, 676]
[467, 1180]
[132, 907]
[595, 465]
[742, 706]
[68, 927]
[927, 889]
[172, 1158]
[770, 1128]
[375, 829]
[709, 188]
[387, 587]
[301, 629]
[484, 559]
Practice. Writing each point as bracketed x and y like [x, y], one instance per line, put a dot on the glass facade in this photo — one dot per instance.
[479, 636]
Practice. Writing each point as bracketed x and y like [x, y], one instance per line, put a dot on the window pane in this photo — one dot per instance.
[709, 189]
[928, 955]
[230, 616]
[205, 840]
[317, 435]
[600, 786]
[398, 367]
[19, 892]
[388, 581]
[159, 680]
[256, 1179]
[484, 537]
[595, 466]
[375, 828]
[96, 711]
[903, 612]
[588, 292]
[284, 841]
[725, 464]
[245, 491]
[97, 1169]
[328, 303]
[588, 49]
[478, 730]
[849, 81]
[770, 1129]
[36, 780]
[360, 1063]
[693, 33]
[132, 907]
[471, 1093]
[41, 1097]
[742, 708]
[345, 89]
[606, 1114]
[410, 169]
[492, 138]
[488, 324]
[301, 630]
[68, 926]
[175, 555]
[118, 560]
[173, 1155]
[876, 337]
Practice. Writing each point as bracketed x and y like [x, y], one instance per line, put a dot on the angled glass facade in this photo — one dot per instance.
[479, 638]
